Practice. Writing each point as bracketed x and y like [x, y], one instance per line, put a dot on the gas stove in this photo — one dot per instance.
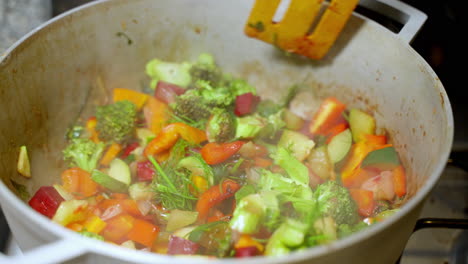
[438, 42]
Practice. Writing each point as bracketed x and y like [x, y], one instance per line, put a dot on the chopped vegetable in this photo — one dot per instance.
[46, 201]
[339, 146]
[205, 166]
[83, 153]
[214, 196]
[361, 124]
[23, 166]
[116, 122]
[383, 159]
[214, 153]
[122, 94]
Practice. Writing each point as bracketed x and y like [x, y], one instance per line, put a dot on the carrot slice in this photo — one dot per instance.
[214, 196]
[143, 232]
[111, 153]
[399, 181]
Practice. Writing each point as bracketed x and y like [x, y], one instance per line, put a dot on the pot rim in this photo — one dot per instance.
[103, 248]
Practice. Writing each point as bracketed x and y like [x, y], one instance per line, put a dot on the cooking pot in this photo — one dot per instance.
[63, 68]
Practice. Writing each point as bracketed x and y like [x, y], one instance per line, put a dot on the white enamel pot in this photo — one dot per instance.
[55, 72]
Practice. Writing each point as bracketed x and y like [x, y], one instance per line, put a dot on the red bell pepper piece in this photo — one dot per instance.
[143, 232]
[145, 171]
[46, 201]
[364, 200]
[215, 153]
[328, 114]
[181, 246]
[167, 92]
[214, 196]
[245, 104]
[335, 130]
[128, 149]
[399, 181]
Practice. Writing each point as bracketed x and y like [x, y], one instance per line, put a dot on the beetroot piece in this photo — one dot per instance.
[145, 171]
[46, 201]
[245, 104]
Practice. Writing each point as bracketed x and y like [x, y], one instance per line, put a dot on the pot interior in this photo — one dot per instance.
[62, 71]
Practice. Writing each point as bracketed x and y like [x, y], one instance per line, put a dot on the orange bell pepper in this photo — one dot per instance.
[169, 136]
[91, 128]
[214, 196]
[329, 112]
[156, 114]
[350, 169]
[214, 153]
[117, 228]
[78, 181]
[399, 181]
[139, 99]
[111, 153]
[143, 232]
[364, 200]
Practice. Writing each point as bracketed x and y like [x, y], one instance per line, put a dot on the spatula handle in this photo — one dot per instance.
[411, 18]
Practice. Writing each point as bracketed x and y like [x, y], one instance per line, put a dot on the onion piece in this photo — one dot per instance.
[167, 92]
[111, 212]
[381, 185]
[144, 206]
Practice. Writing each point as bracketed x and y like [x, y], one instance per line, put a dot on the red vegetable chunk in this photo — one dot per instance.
[46, 201]
[145, 171]
[167, 92]
[180, 246]
[245, 104]
[247, 252]
[130, 147]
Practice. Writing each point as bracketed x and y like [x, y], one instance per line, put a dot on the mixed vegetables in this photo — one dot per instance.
[205, 166]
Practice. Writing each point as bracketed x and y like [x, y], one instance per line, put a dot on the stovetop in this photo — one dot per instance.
[439, 42]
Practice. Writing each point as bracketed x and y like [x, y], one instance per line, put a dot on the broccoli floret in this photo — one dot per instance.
[116, 122]
[191, 107]
[175, 73]
[83, 153]
[346, 230]
[221, 126]
[334, 200]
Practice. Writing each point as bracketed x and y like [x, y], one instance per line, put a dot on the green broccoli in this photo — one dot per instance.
[116, 122]
[334, 200]
[83, 153]
[175, 73]
[221, 126]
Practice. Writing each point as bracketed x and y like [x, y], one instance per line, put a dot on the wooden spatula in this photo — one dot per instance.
[292, 32]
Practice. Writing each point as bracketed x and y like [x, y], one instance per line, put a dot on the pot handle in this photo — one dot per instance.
[411, 18]
[54, 252]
